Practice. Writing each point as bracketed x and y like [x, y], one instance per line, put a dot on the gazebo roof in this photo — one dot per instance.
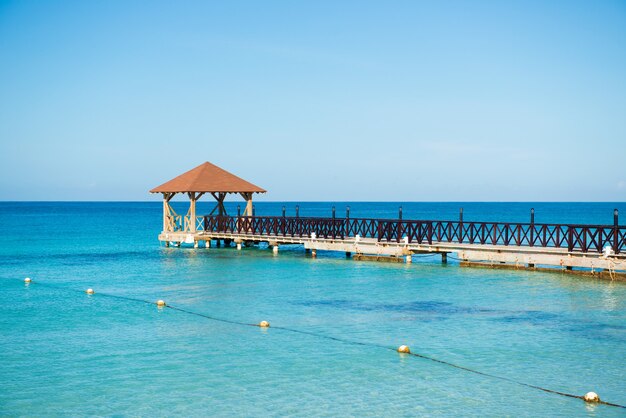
[207, 178]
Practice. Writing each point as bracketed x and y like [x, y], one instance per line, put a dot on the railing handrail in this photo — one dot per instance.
[576, 237]
[464, 221]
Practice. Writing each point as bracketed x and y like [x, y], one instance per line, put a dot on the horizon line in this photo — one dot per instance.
[323, 201]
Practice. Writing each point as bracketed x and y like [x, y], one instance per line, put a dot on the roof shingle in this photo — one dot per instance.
[207, 178]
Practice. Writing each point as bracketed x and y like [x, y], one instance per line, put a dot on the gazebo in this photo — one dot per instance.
[205, 178]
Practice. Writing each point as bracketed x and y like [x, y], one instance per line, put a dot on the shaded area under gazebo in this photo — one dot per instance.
[205, 178]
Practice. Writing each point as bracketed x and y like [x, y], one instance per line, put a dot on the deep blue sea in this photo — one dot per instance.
[64, 353]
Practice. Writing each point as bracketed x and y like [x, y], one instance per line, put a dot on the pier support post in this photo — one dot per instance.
[275, 249]
[195, 244]
[239, 246]
[314, 253]
[167, 243]
[207, 243]
[444, 258]
[348, 254]
[409, 259]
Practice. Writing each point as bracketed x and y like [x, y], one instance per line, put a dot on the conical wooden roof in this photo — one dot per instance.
[207, 178]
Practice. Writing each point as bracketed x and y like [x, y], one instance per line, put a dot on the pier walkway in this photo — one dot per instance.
[521, 245]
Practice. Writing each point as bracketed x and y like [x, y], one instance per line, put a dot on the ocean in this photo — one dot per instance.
[64, 353]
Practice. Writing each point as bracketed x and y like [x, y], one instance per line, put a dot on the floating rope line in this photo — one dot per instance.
[338, 339]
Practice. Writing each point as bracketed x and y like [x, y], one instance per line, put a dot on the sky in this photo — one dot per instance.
[315, 101]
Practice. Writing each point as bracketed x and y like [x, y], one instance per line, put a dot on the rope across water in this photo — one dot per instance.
[338, 339]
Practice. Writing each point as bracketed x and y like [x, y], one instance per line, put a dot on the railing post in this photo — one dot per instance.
[346, 228]
[204, 222]
[399, 229]
[507, 239]
[284, 220]
[342, 228]
[483, 227]
[333, 224]
[420, 232]
[532, 227]
[296, 223]
[570, 238]
[430, 233]
[460, 225]
[615, 231]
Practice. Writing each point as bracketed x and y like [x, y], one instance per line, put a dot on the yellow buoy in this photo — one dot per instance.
[27, 280]
[160, 303]
[591, 397]
[404, 349]
[89, 291]
[264, 324]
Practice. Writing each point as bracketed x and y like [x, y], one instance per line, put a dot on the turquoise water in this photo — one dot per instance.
[65, 353]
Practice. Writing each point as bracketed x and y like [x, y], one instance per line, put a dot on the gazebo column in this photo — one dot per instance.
[167, 211]
[191, 214]
[221, 210]
[248, 198]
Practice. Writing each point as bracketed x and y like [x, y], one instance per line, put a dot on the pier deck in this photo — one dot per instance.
[591, 247]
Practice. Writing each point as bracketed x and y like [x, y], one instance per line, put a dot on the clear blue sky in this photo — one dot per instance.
[319, 100]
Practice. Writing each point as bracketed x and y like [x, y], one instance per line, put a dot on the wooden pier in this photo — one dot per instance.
[519, 245]
[596, 249]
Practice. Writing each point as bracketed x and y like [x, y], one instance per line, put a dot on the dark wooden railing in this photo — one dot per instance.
[580, 238]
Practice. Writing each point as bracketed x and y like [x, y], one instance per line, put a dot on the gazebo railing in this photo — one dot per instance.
[176, 223]
[580, 238]
[276, 226]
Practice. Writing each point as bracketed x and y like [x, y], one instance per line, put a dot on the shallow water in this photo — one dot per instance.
[65, 353]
